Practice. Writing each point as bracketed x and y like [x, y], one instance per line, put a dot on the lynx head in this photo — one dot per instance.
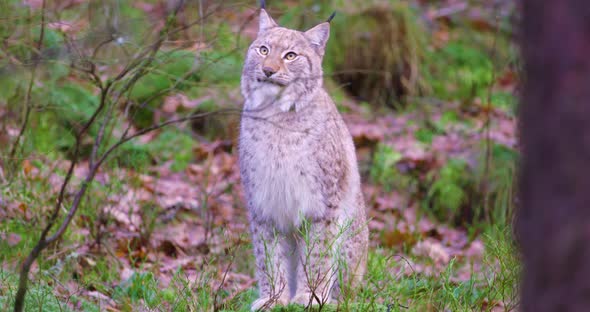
[282, 65]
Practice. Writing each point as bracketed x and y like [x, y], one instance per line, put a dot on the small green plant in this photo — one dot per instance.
[503, 266]
[384, 170]
[448, 192]
[460, 193]
[140, 286]
[496, 174]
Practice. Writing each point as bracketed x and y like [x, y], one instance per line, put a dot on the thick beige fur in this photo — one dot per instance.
[299, 172]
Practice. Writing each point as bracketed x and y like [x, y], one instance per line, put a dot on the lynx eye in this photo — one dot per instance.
[290, 56]
[263, 50]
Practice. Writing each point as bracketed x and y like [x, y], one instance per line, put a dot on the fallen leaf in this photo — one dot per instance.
[27, 167]
[11, 239]
[475, 250]
[433, 250]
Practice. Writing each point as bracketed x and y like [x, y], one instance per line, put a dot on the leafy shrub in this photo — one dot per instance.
[448, 192]
[461, 193]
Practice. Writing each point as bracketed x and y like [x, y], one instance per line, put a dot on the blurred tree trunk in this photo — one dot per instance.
[553, 225]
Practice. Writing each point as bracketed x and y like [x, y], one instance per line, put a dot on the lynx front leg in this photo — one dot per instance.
[273, 252]
[316, 269]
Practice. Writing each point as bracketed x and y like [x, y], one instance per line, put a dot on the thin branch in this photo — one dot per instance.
[486, 126]
[44, 241]
[162, 125]
[28, 106]
[216, 303]
[140, 73]
[138, 66]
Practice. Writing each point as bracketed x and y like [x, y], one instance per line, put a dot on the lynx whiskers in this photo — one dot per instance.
[299, 172]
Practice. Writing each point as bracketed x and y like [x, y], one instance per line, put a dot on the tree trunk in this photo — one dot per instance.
[553, 225]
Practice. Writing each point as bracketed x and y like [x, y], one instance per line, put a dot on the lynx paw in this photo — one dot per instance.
[267, 303]
[306, 298]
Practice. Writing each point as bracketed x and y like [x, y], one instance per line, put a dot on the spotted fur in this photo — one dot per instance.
[299, 172]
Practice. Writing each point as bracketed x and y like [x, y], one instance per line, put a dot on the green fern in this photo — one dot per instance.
[384, 171]
[447, 194]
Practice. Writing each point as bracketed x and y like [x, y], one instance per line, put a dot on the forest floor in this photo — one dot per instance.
[166, 231]
[171, 234]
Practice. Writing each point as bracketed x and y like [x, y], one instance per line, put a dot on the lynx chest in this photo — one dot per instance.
[279, 171]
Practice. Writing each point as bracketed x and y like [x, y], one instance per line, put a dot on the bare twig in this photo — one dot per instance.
[487, 124]
[139, 65]
[218, 305]
[28, 105]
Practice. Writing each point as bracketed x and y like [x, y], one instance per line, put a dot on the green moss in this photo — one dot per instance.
[460, 71]
[175, 145]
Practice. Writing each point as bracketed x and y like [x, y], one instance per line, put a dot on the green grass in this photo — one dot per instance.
[384, 288]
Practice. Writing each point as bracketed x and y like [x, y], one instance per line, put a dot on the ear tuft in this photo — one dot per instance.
[331, 17]
[318, 37]
[266, 22]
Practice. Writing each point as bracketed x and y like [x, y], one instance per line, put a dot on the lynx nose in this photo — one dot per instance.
[268, 71]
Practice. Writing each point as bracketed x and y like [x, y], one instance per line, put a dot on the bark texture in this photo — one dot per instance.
[553, 225]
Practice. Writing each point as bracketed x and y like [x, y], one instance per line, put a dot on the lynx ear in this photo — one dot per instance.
[318, 37]
[266, 22]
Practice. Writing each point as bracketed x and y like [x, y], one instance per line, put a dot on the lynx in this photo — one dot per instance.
[299, 172]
